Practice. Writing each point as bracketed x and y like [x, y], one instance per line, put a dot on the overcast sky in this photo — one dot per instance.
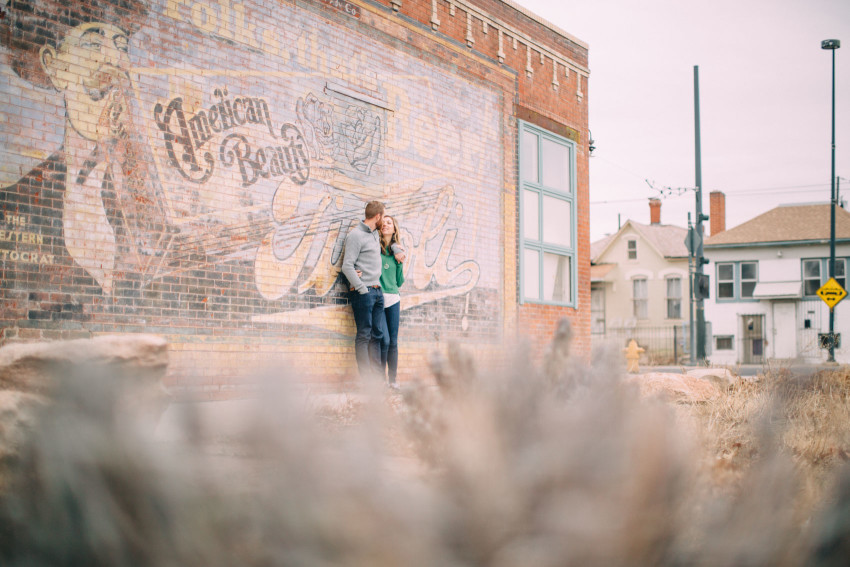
[765, 102]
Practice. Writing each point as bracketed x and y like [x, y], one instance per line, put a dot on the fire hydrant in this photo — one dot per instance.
[633, 356]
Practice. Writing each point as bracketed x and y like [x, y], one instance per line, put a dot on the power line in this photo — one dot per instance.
[787, 189]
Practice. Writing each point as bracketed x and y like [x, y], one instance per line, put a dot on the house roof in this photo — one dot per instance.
[599, 271]
[668, 240]
[786, 223]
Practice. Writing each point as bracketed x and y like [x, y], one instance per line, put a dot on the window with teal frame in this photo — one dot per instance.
[547, 205]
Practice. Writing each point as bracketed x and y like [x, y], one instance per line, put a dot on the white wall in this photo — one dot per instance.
[726, 317]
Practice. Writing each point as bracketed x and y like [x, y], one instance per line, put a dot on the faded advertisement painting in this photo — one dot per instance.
[178, 156]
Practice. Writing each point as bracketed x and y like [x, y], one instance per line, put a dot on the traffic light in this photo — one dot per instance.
[702, 286]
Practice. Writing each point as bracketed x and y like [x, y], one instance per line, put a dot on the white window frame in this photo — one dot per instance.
[737, 281]
[753, 281]
[673, 300]
[538, 246]
[724, 281]
[640, 305]
[631, 249]
[823, 277]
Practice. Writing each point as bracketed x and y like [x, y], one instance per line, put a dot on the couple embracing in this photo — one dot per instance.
[373, 263]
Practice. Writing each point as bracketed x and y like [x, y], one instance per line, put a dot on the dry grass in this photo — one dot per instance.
[553, 466]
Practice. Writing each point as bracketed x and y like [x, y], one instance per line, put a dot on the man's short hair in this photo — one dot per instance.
[373, 209]
[32, 24]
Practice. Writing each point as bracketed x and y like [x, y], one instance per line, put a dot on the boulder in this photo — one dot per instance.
[720, 375]
[17, 418]
[34, 367]
[679, 388]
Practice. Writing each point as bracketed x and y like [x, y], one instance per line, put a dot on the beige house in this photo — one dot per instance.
[639, 285]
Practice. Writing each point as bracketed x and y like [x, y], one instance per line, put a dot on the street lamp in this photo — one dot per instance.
[832, 45]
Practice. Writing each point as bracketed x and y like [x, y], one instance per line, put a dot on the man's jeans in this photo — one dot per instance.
[368, 311]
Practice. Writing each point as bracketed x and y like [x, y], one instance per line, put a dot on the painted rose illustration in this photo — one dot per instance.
[316, 121]
[362, 133]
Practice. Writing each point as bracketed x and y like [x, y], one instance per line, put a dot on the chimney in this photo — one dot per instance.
[717, 212]
[654, 211]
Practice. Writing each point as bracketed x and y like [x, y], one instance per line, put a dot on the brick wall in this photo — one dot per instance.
[190, 168]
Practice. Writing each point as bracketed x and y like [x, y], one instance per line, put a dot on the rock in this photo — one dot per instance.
[17, 417]
[680, 388]
[134, 364]
[722, 376]
[33, 367]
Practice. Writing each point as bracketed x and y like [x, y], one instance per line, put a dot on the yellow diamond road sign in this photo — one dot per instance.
[831, 292]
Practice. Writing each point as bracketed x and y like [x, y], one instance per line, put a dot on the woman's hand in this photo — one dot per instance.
[400, 258]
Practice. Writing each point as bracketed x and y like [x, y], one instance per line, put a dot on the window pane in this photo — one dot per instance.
[748, 270]
[632, 248]
[674, 309]
[674, 287]
[811, 287]
[557, 224]
[724, 343]
[528, 153]
[839, 268]
[531, 273]
[747, 289]
[556, 165]
[811, 268]
[725, 272]
[556, 277]
[530, 215]
[726, 290]
[597, 299]
[640, 288]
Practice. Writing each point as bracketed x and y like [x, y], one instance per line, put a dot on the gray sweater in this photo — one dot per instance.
[362, 252]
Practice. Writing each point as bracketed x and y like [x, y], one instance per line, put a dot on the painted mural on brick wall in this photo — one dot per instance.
[173, 157]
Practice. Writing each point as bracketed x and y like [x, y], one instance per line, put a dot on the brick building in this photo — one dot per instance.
[190, 168]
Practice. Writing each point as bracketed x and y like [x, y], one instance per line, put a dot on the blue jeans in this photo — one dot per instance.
[389, 344]
[368, 311]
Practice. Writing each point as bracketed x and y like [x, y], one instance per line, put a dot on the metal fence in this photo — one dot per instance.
[668, 344]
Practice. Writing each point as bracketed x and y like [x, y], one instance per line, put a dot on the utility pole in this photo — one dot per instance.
[832, 45]
[691, 335]
[699, 259]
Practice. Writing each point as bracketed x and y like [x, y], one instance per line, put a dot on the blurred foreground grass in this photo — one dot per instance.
[562, 464]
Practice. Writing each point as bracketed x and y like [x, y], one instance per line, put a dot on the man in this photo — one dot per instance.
[361, 264]
[113, 216]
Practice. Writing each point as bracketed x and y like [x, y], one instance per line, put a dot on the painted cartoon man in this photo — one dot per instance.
[113, 217]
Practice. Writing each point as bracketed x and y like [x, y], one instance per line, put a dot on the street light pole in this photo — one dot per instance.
[832, 45]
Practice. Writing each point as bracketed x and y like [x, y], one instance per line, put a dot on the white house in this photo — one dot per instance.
[766, 273]
[639, 285]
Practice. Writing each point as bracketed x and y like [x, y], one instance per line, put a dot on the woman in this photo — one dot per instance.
[392, 277]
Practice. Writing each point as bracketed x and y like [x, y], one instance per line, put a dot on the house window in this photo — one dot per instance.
[816, 273]
[725, 281]
[640, 298]
[736, 280]
[749, 278]
[548, 216]
[631, 246]
[811, 276]
[674, 298]
[597, 310]
[723, 342]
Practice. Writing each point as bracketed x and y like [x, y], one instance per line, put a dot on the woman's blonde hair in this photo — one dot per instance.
[386, 247]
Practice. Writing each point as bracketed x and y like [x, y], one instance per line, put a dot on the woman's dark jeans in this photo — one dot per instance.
[389, 342]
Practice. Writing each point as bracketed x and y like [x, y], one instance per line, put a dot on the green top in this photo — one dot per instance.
[392, 273]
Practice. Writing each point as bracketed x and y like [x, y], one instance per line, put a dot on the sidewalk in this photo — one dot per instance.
[797, 369]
